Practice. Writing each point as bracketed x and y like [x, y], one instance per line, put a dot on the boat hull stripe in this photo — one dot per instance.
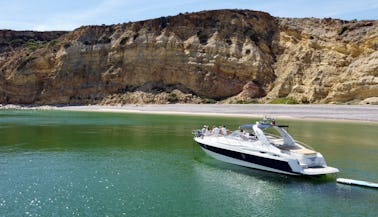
[267, 162]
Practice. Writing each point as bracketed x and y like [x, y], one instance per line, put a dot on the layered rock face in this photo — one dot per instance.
[327, 61]
[224, 55]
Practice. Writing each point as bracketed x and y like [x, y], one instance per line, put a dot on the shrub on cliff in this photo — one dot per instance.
[33, 44]
[284, 100]
[172, 98]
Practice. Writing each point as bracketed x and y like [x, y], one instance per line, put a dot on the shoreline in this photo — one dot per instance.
[354, 113]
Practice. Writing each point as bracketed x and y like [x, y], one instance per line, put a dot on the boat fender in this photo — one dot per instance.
[357, 182]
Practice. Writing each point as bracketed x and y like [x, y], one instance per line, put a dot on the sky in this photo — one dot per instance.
[46, 15]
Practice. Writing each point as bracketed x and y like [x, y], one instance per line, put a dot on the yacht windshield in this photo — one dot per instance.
[280, 138]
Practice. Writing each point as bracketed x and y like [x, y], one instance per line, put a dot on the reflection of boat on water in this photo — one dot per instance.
[252, 146]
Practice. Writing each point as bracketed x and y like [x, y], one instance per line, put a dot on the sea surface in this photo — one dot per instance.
[64, 163]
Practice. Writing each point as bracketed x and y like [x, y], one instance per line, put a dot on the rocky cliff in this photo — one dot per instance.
[222, 55]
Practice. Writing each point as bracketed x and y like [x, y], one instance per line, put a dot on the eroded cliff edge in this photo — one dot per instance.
[221, 55]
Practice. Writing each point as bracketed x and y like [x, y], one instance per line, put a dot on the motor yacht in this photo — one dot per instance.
[265, 146]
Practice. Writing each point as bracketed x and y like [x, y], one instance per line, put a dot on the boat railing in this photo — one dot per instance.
[198, 133]
[305, 145]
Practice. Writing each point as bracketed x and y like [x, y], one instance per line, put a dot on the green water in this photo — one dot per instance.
[55, 163]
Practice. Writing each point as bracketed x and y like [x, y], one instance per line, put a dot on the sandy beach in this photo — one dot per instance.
[367, 113]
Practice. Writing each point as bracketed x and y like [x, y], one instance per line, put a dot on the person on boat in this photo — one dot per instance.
[215, 131]
[208, 131]
[223, 130]
[243, 134]
[203, 130]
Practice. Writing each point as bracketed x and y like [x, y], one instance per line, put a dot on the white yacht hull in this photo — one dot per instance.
[263, 161]
[243, 163]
